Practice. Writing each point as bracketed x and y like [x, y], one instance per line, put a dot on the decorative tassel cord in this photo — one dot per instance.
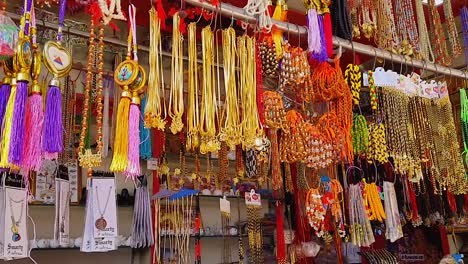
[120, 158]
[17, 130]
[32, 154]
[145, 139]
[7, 123]
[281, 245]
[313, 34]
[133, 166]
[52, 137]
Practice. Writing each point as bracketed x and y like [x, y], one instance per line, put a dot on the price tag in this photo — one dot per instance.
[224, 205]
[253, 198]
[152, 164]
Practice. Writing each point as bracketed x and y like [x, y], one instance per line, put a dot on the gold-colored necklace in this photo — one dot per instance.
[251, 126]
[155, 105]
[231, 132]
[193, 116]
[176, 98]
[85, 156]
[207, 128]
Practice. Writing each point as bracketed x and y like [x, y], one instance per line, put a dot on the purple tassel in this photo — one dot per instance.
[5, 91]
[52, 136]
[322, 56]
[17, 127]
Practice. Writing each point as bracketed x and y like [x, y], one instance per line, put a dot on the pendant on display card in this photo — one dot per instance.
[101, 224]
[57, 59]
[126, 72]
[16, 236]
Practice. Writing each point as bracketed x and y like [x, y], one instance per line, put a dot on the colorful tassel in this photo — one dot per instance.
[280, 15]
[32, 154]
[327, 29]
[7, 122]
[52, 136]
[161, 14]
[313, 37]
[15, 152]
[120, 157]
[5, 91]
[145, 138]
[133, 166]
[322, 56]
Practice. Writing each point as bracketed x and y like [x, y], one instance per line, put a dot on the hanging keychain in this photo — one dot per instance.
[21, 65]
[133, 166]
[125, 75]
[58, 61]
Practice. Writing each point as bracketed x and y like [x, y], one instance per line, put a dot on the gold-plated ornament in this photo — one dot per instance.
[57, 59]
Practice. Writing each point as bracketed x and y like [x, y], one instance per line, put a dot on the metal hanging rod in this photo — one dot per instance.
[239, 13]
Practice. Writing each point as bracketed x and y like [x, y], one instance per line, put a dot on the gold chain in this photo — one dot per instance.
[193, 117]
[154, 108]
[176, 98]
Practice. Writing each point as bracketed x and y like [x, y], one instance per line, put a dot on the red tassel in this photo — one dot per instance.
[327, 28]
[281, 243]
[161, 14]
[182, 26]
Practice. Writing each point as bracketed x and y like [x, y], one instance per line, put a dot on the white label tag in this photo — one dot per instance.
[224, 205]
[152, 164]
[253, 198]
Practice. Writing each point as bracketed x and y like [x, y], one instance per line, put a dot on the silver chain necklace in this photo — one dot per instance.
[101, 223]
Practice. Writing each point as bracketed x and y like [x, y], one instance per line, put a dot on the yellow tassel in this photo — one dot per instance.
[7, 128]
[120, 158]
[279, 14]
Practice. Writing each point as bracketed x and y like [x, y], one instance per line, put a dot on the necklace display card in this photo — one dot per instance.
[62, 212]
[15, 233]
[87, 244]
[104, 207]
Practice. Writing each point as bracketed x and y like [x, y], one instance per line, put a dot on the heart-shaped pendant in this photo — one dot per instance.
[57, 59]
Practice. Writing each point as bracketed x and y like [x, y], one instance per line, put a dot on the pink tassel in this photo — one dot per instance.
[32, 151]
[133, 167]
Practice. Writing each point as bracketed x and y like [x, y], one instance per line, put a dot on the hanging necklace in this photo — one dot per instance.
[407, 31]
[209, 142]
[386, 35]
[231, 132]
[438, 36]
[15, 223]
[456, 49]
[85, 156]
[176, 98]
[154, 117]
[101, 222]
[193, 117]
[65, 212]
[425, 47]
